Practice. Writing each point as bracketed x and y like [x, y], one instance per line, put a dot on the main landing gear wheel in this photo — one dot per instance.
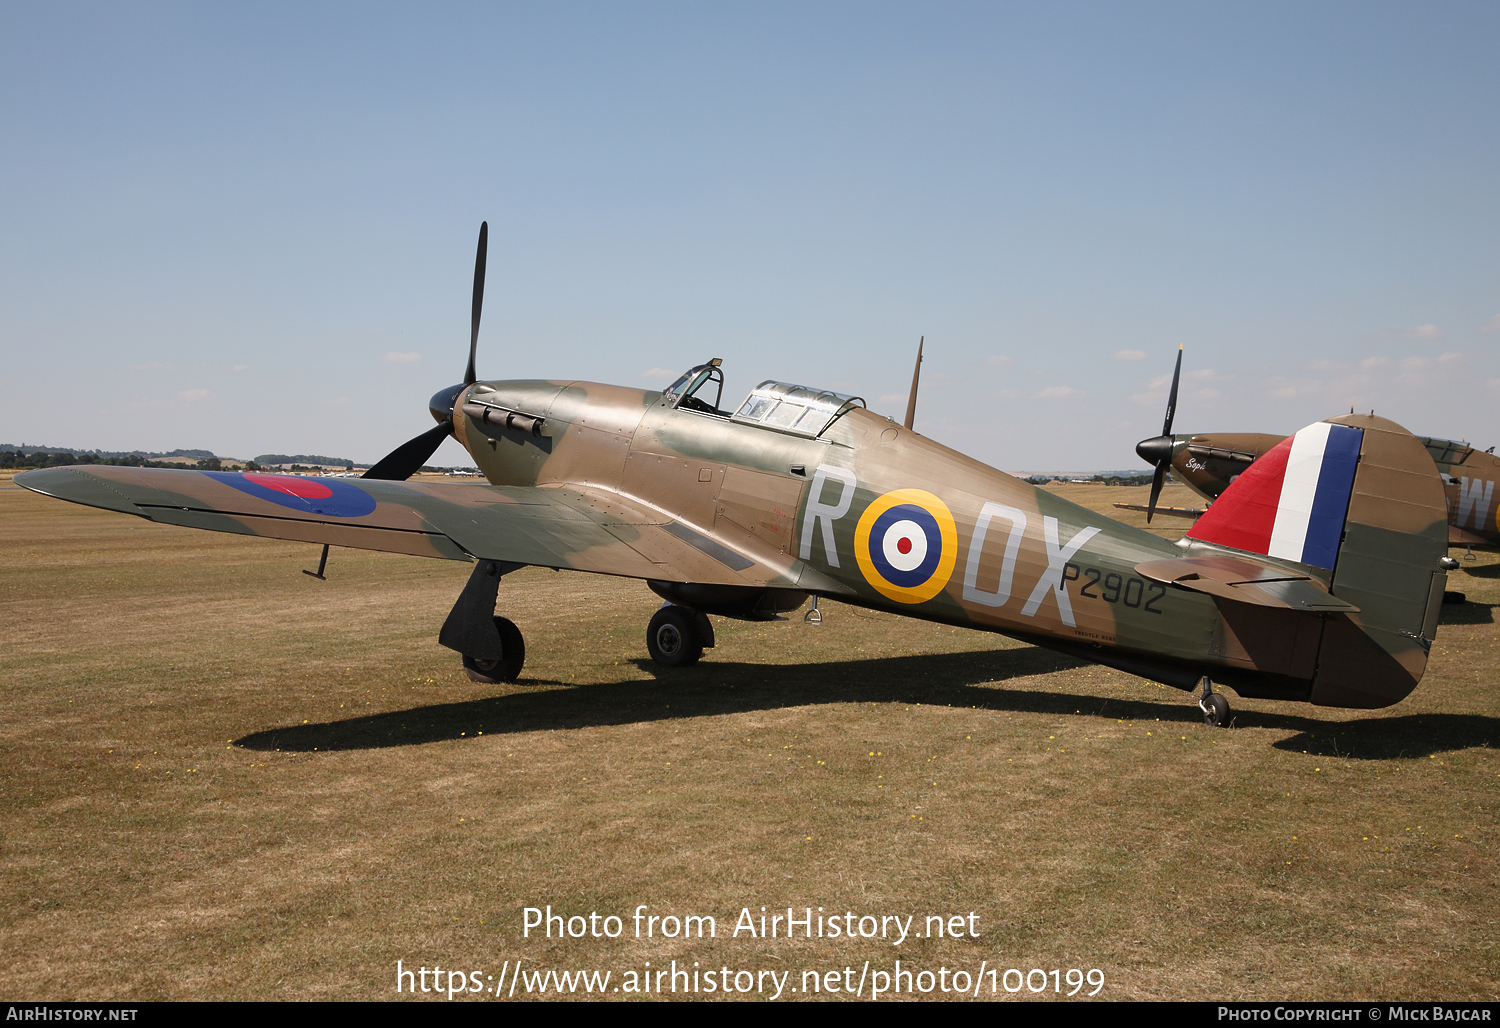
[672, 637]
[1215, 710]
[512, 657]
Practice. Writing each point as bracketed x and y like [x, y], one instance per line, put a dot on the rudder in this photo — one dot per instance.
[1358, 502]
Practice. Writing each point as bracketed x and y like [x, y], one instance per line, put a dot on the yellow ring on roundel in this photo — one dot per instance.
[947, 560]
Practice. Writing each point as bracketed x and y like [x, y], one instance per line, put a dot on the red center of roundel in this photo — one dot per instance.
[307, 488]
[903, 544]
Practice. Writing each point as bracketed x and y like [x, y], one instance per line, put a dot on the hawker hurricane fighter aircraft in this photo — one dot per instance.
[1325, 591]
[1207, 464]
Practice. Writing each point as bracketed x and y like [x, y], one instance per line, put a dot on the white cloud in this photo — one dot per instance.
[1128, 355]
[999, 362]
[892, 398]
[667, 373]
[401, 358]
[194, 394]
[153, 366]
[1282, 388]
[240, 367]
[1058, 393]
[1423, 332]
[1371, 363]
[1493, 325]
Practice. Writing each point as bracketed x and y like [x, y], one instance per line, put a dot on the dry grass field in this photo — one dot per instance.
[223, 779]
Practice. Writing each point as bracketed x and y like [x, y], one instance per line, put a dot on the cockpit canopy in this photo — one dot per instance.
[793, 408]
[705, 379]
[779, 405]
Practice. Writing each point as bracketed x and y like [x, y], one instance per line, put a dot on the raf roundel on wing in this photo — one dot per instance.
[906, 545]
[328, 496]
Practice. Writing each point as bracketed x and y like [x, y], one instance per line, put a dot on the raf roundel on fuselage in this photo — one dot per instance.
[907, 545]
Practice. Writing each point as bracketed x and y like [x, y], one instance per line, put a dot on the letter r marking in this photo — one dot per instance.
[825, 514]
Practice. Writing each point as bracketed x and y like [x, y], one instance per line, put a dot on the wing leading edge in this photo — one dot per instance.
[566, 528]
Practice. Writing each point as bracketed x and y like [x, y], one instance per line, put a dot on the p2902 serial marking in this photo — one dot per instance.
[1117, 588]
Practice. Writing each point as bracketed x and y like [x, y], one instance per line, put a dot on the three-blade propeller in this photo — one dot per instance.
[1158, 450]
[407, 459]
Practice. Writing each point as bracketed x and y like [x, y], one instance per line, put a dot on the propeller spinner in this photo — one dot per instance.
[1158, 450]
[408, 458]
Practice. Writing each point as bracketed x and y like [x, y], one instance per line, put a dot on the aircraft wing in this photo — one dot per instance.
[571, 528]
[1463, 537]
[1176, 512]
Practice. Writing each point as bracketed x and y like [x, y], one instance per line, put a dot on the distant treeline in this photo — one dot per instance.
[302, 458]
[146, 454]
[1096, 479]
[12, 459]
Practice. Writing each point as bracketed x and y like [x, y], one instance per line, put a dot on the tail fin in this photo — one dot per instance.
[1357, 502]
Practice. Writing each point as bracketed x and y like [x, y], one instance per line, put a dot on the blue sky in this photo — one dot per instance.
[251, 228]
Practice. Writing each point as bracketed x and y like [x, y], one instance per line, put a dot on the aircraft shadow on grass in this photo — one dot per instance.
[952, 679]
[1469, 613]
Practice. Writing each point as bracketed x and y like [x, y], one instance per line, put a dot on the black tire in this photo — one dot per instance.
[512, 657]
[1215, 710]
[672, 637]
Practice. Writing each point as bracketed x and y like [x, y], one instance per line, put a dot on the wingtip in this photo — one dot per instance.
[76, 485]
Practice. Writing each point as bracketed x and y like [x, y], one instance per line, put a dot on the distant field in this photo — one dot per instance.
[223, 779]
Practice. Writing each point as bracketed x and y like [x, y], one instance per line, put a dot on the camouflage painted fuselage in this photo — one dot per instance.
[828, 515]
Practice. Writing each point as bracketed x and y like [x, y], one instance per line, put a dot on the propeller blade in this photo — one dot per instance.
[407, 459]
[1166, 428]
[1158, 451]
[479, 258]
[1156, 484]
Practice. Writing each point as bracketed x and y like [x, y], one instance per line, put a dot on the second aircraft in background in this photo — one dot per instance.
[1207, 463]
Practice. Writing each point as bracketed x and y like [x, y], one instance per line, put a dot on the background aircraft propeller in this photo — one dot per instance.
[1158, 451]
[407, 459]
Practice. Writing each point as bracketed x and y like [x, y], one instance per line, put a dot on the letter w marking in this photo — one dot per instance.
[1476, 499]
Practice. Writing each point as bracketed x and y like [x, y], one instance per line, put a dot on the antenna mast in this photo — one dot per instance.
[916, 373]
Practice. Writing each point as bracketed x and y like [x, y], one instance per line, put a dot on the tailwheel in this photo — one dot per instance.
[673, 638]
[505, 668]
[1215, 710]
